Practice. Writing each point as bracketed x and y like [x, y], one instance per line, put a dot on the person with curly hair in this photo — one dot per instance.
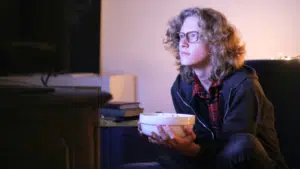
[234, 126]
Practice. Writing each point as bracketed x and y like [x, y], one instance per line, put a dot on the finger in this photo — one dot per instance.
[189, 132]
[156, 137]
[157, 140]
[139, 126]
[174, 140]
[188, 128]
[169, 143]
[151, 140]
[170, 132]
[189, 139]
[140, 131]
[190, 136]
[179, 140]
[162, 133]
[193, 135]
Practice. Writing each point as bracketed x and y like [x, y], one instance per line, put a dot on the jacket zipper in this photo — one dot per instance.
[227, 103]
[212, 134]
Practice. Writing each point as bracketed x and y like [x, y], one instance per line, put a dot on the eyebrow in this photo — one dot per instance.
[190, 31]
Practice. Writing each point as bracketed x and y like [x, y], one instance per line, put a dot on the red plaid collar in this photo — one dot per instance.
[211, 98]
[200, 90]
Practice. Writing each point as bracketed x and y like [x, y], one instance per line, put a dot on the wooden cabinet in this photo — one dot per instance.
[50, 130]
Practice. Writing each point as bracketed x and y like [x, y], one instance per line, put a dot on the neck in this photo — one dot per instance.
[203, 75]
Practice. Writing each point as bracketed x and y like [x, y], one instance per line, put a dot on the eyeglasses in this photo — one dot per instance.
[191, 37]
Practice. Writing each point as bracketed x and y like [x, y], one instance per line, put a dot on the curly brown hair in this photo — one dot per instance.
[225, 48]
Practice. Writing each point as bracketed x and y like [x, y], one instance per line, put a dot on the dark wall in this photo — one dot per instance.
[37, 36]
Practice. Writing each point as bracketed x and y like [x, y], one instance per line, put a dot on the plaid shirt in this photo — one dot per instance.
[212, 99]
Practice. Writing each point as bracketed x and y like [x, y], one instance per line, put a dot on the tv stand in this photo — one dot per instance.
[55, 128]
[18, 89]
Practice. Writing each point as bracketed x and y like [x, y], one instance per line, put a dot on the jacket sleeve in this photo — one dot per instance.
[243, 110]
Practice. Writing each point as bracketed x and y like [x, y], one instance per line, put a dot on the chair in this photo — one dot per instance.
[280, 80]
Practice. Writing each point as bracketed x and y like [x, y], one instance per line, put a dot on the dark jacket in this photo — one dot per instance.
[244, 109]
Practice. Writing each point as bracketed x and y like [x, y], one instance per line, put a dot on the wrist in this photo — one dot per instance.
[193, 150]
[196, 149]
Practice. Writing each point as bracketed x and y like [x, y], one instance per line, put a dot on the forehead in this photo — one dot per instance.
[190, 24]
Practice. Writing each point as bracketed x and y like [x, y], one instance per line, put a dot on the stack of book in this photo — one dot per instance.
[120, 111]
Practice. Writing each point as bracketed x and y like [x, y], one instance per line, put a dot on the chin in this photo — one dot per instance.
[184, 63]
[193, 63]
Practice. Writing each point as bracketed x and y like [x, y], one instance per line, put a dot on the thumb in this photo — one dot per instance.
[189, 132]
[188, 129]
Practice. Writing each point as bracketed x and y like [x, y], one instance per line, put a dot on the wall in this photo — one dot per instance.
[132, 32]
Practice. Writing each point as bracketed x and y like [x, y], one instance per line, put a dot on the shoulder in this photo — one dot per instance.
[244, 77]
[180, 84]
[247, 93]
[181, 87]
[243, 81]
[176, 83]
[245, 84]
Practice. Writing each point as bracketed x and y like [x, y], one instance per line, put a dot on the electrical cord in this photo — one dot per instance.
[45, 81]
[49, 74]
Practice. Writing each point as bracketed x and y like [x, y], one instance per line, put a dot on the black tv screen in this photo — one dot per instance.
[61, 36]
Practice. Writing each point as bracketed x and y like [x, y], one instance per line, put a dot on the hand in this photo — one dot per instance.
[162, 139]
[140, 130]
[155, 138]
[185, 144]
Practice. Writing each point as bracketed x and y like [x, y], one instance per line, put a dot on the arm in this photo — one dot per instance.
[244, 109]
[242, 116]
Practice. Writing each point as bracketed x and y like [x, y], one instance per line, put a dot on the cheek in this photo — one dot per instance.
[200, 51]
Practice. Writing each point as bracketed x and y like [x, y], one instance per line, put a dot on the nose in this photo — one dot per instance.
[184, 43]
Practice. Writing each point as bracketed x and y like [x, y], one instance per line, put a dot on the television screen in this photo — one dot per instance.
[61, 36]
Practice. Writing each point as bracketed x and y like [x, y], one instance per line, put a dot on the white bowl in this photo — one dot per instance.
[149, 122]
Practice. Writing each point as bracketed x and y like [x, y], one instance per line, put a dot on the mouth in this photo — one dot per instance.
[184, 53]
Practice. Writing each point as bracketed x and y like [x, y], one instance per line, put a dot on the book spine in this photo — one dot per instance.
[112, 112]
